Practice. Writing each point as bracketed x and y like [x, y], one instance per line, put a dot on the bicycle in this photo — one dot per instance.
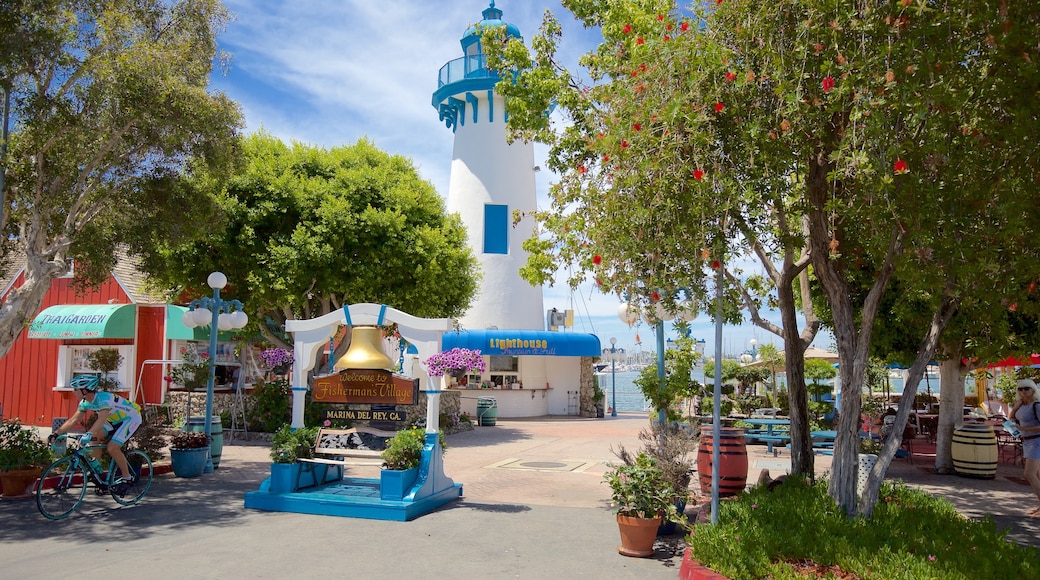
[63, 485]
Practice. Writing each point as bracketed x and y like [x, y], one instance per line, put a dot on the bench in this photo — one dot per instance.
[352, 446]
[769, 439]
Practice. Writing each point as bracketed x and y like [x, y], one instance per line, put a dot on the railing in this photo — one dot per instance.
[467, 67]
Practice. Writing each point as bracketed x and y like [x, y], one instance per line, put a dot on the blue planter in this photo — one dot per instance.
[292, 477]
[394, 484]
[188, 462]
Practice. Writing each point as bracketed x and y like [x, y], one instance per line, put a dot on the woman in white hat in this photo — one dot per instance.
[1026, 413]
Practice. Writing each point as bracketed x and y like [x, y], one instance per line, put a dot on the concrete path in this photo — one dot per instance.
[534, 507]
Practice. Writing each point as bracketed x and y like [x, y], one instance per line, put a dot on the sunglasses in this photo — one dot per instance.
[1025, 388]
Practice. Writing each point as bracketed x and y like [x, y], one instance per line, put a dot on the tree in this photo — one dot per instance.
[773, 359]
[647, 203]
[894, 134]
[307, 230]
[109, 103]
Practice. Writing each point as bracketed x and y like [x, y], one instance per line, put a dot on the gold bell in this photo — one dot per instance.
[365, 350]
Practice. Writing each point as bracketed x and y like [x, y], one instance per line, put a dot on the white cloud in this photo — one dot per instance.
[330, 72]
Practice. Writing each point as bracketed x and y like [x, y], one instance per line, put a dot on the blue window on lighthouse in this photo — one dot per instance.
[496, 228]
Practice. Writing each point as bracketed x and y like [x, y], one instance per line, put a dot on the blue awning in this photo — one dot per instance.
[524, 342]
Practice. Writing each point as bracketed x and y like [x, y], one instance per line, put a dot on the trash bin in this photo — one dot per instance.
[487, 411]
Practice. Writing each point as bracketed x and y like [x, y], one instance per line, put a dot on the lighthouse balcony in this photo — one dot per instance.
[467, 67]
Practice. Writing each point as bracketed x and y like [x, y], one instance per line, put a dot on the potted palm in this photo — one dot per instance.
[642, 497]
[188, 453]
[23, 455]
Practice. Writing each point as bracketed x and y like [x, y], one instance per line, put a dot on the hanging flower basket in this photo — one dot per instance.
[457, 362]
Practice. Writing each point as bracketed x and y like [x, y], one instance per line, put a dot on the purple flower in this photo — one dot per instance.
[273, 358]
[456, 360]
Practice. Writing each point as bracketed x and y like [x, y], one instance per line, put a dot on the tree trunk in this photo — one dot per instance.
[21, 305]
[951, 412]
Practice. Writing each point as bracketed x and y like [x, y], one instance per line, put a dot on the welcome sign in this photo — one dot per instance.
[367, 386]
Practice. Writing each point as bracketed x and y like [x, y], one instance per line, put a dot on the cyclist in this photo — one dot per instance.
[116, 416]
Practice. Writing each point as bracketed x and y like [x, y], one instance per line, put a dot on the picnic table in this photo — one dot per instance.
[763, 430]
[823, 441]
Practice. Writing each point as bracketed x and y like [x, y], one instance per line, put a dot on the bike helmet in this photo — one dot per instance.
[88, 383]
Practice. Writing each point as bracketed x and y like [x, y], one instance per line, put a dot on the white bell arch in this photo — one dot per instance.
[313, 334]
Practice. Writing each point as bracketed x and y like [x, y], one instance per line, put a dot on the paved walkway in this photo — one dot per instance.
[534, 507]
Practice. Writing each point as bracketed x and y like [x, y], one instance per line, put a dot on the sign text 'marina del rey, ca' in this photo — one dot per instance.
[366, 386]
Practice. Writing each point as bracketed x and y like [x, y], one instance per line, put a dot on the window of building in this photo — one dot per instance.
[496, 229]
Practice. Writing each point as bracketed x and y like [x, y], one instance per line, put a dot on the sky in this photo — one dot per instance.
[331, 72]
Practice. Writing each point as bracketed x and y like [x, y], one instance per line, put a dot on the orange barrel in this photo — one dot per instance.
[974, 451]
[733, 461]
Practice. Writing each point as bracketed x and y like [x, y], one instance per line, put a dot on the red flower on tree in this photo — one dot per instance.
[640, 40]
[715, 265]
[684, 26]
[719, 107]
[827, 84]
[901, 167]
[731, 76]
[667, 37]
[654, 296]
[597, 259]
[627, 29]
[660, 16]
[637, 127]
[624, 144]
[698, 174]
[582, 169]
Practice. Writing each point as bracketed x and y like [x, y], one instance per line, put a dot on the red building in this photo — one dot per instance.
[71, 323]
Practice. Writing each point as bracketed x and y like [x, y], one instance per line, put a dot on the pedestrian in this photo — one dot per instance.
[1027, 415]
[993, 407]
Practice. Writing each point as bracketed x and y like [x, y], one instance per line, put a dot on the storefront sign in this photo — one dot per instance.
[361, 415]
[366, 386]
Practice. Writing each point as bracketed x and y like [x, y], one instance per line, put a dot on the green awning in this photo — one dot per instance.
[78, 321]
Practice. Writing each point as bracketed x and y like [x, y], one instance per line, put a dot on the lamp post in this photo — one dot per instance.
[613, 378]
[685, 310]
[219, 315]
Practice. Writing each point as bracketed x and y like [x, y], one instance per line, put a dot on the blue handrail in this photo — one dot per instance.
[467, 67]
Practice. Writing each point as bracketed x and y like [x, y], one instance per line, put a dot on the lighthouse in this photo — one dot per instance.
[490, 180]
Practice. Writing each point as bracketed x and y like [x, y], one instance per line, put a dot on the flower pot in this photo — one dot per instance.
[19, 483]
[395, 484]
[637, 535]
[669, 527]
[189, 462]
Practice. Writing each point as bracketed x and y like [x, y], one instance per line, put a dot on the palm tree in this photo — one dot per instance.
[773, 359]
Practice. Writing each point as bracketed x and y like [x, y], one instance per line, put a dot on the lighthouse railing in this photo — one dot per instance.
[467, 67]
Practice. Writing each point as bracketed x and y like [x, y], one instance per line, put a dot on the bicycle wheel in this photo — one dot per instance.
[141, 466]
[61, 489]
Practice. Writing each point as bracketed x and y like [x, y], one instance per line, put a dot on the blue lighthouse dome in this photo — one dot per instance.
[492, 18]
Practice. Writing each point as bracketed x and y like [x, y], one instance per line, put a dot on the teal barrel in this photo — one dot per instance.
[216, 431]
[487, 411]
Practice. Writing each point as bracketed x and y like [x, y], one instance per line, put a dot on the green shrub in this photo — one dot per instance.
[404, 450]
[912, 534]
[272, 406]
[288, 445]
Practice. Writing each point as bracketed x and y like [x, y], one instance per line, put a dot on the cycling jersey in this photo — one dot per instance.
[119, 408]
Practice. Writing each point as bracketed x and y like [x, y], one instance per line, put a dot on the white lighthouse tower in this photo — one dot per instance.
[490, 180]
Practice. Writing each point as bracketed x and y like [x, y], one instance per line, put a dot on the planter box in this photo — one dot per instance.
[292, 477]
[394, 484]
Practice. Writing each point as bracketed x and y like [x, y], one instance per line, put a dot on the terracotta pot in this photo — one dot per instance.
[19, 483]
[637, 535]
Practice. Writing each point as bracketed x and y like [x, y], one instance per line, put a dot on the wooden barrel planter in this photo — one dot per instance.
[733, 461]
[974, 451]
